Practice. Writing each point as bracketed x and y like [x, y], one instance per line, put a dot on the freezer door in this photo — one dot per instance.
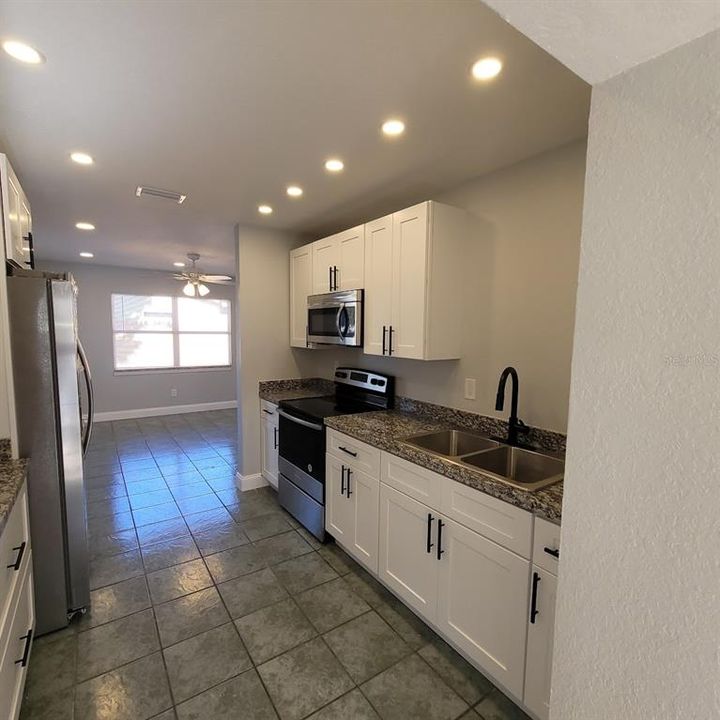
[69, 441]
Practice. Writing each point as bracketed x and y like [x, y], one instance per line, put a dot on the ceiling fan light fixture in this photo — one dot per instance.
[203, 290]
[189, 289]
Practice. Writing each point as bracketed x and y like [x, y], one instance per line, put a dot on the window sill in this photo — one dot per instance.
[171, 371]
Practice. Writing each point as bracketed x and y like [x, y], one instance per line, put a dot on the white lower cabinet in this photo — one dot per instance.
[541, 630]
[351, 510]
[482, 601]
[408, 565]
[269, 441]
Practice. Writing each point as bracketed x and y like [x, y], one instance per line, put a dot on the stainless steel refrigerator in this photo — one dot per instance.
[49, 368]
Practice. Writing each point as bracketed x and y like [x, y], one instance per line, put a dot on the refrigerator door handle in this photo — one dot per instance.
[90, 395]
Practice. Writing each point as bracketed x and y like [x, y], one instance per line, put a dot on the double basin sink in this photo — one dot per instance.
[516, 466]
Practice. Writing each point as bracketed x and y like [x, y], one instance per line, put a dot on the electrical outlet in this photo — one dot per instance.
[173, 392]
[470, 388]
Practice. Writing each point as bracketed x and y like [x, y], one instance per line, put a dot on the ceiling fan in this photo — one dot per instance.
[195, 279]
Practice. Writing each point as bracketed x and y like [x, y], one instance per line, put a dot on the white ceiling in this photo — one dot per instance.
[230, 101]
[599, 39]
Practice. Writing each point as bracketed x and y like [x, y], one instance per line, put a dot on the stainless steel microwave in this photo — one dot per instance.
[336, 318]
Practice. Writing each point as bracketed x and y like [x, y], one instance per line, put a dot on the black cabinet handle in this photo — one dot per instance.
[268, 412]
[345, 450]
[342, 480]
[534, 612]
[18, 560]
[275, 438]
[440, 550]
[335, 282]
[347, 486]
[330, 278]
[26, 652]
[429, 533]
[555, 552]
[384, 332]
[390, 334]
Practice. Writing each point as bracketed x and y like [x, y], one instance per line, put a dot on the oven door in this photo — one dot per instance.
[337, 323]
[302, 445]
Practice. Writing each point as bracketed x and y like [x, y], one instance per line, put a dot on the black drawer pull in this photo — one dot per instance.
[22, 662]
[345, 450]
[347, 487]
[269, 412]
[554, 552]
[440, 550]
[429, 532]
[18, 560]
[534, 612]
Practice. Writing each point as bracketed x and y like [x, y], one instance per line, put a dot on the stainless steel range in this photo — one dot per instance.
[301, 484]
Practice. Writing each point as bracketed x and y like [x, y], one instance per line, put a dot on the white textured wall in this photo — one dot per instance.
[263, 327]
[638, 619]
[132, 391]
[519, 303]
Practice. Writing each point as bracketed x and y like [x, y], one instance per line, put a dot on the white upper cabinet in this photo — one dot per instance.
[301, 269]
[16, 217]
[378, 284]
[414, 282]
[338, 261]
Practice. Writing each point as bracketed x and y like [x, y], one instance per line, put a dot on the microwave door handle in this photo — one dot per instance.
[340, 324]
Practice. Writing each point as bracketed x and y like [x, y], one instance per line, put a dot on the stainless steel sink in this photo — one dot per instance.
[451, 443]
[517, 466]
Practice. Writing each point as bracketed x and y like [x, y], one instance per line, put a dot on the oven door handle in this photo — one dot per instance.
[304, 423]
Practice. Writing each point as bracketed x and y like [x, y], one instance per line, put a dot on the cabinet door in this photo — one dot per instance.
[378, 283]
[365, 496]
[269, 444]
[483, 600]
[409, 281]
[538, 667]
[351, 259]
[325, 258]
[339, 509]
[406, 565]
[13, 212]
[300, 288]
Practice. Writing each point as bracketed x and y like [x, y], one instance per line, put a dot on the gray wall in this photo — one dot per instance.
[118, 392]
[638, 617]
[520, 294]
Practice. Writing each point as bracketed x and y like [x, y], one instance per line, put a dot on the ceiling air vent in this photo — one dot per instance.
[157, 192]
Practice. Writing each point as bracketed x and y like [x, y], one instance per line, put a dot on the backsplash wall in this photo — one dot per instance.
[519, 305]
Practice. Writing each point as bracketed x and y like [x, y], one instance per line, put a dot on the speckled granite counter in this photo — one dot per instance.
[386, 430]
[12, 477]
[276, 390]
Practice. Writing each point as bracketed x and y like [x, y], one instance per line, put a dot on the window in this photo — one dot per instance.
[152, 332]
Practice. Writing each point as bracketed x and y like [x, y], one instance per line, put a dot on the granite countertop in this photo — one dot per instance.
[276, 390]
[12, 477]
[386, 430]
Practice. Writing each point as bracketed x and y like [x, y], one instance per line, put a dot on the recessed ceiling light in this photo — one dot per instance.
[487, 68]
[393, 127]
[84, 226]
[264, 209]
[81, 158]
[294, 191]
[86, 254]
[179, 264]
[334, 165]
[23, 52]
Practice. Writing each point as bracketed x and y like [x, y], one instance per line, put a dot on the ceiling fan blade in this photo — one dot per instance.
[178, 276]
[217, 279]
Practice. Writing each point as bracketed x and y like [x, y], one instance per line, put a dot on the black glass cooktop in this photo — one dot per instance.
[318, 408]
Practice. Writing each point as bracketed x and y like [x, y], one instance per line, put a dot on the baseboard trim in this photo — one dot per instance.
[169, 410]
[250, 482]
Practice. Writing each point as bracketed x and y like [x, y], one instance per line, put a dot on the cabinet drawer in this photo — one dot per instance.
[546, 545]
[499, 521]
[417, 482]
[269, 410]
[354, 453]
[14, 545]
[17, 647]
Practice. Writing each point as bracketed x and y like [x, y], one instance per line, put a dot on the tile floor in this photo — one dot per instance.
[208, 603]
